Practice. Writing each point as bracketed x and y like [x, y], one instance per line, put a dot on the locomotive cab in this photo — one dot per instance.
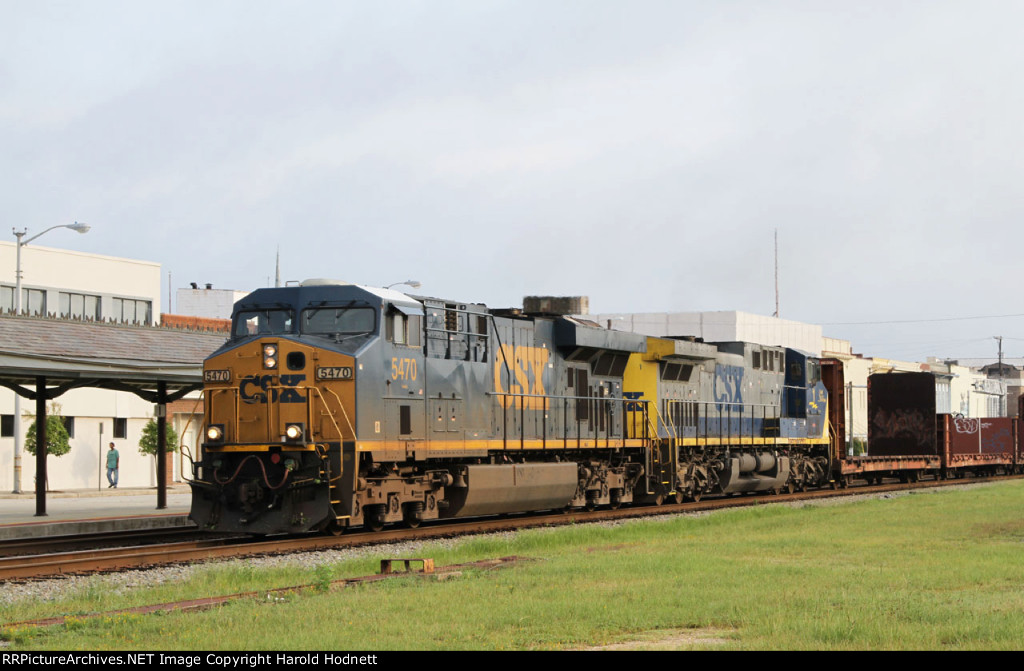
[280, 407]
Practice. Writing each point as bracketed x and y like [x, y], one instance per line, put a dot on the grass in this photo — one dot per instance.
[934, 570]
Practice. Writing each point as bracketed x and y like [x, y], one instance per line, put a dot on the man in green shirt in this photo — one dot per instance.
[113, 459]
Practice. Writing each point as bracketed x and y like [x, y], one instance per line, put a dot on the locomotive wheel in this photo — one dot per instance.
[659, 499]
[412, 514]
[678, 497]
[373, 516]
[616, 499]
[696, 495]
[790, 487]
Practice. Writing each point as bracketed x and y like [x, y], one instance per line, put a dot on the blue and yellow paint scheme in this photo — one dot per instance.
[336, 405]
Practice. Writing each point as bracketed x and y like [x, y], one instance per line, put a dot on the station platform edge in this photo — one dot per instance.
[84, 511]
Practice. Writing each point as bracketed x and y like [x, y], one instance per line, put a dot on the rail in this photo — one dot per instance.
[585, 421]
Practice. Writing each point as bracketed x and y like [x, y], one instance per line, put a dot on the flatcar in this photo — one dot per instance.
[335, 405]
[909, 439]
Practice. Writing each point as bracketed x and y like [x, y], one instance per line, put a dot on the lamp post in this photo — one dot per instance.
[80, 228]
[412, 283]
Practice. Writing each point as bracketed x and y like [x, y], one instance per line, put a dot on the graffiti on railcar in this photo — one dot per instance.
[904, 426]
[902, 411]
[990, 435]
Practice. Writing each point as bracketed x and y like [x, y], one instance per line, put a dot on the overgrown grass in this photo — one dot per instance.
[935, 570]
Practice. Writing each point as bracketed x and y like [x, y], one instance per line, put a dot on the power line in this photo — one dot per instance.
[920, 321]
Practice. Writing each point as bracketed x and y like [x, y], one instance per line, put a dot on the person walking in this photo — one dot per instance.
[113, 461]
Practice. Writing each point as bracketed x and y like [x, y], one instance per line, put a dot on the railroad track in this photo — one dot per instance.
[88, 541]
[23, 567]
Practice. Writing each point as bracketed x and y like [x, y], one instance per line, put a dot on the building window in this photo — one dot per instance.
[69, 426]
[6, 298]
[33, 301]
[79, 305]
[120, 427]
[132, 311]
[6, 426]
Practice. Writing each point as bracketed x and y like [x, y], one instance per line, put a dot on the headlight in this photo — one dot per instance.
[215, 433]
[294, 433]
[270, 356]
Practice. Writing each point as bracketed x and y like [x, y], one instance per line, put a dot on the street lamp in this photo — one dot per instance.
[412, 283]
[80, 228]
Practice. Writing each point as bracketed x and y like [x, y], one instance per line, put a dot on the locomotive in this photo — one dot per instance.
[336, 405]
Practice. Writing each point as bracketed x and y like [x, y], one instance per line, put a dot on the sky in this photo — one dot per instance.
[641, 153]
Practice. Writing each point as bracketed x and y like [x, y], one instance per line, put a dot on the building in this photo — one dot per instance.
[93, 288]
[77, 285]
[208, 303]
[718, 327]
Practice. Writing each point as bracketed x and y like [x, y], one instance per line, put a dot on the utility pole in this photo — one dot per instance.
[776, 273]
[1002, 396]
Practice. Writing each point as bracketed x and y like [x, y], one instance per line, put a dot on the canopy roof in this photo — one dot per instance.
[72, 354]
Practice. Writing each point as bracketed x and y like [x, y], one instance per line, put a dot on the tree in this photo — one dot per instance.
[147, 444]
[58, 443]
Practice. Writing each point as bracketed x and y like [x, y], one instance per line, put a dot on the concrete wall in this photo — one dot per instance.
[718, 327]
[209, 303]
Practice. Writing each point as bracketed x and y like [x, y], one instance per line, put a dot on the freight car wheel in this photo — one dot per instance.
[696, 495]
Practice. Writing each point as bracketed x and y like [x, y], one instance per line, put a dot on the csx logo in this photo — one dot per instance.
[258, 388]
[634, 400]
[728, 385]
[520, 370]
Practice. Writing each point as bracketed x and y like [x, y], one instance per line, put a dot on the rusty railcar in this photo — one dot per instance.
[908, 439]
[982, 446]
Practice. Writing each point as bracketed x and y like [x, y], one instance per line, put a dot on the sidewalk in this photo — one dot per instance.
[91, 510]
[173, 488]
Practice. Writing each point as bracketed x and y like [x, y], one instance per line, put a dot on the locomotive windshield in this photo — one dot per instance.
[338, 321]
[264, 322]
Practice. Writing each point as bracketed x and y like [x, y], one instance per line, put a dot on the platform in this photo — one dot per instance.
[91, 510]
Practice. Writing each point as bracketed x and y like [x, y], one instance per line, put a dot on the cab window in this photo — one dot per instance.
[263, 322]
[338, 321]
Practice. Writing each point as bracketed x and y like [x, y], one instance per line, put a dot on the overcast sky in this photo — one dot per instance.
[641, 153]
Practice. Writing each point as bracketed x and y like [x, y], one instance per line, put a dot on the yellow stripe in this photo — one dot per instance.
[285, 447]
[457, 445]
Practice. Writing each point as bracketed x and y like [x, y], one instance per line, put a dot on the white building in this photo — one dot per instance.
[208, 303]
[718, 327]
[64, 282]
